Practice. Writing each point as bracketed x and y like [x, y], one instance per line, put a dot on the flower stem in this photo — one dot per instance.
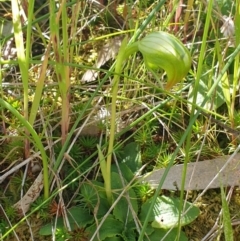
[116, 78]
[124, 52]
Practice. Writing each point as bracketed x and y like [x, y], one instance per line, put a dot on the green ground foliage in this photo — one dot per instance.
[96, 94]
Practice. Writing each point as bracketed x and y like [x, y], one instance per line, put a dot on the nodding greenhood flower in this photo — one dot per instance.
[163, 50]
[159, 50]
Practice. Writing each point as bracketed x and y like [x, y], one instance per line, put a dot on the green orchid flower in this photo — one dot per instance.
[159, 50]
[163, 50]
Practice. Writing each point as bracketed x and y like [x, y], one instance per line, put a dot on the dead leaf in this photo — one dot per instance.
[108, 51]
[200, 175]
[31, 195]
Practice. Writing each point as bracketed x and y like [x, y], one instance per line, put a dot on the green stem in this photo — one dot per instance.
[23, 61]
[124, 52]
[116, 79]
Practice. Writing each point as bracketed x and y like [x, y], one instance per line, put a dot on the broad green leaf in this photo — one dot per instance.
[122, 209]
[77, 216]
[103, 207]
[113, 239]
[166, 235]
[165, 212]
[132, 156]
[116, 183]
[125, 170]
[100, 200]
[110, 229]
[149, 230]
[129, 234]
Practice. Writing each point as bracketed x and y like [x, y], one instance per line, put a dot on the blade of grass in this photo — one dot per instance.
[23, 62]
[36, 141]
[39, 87]
[195, 91]
[40, 82]
[66, 72]
[61, 54]
[227, 226]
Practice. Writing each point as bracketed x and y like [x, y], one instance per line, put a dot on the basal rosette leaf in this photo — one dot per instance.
[165, 213]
